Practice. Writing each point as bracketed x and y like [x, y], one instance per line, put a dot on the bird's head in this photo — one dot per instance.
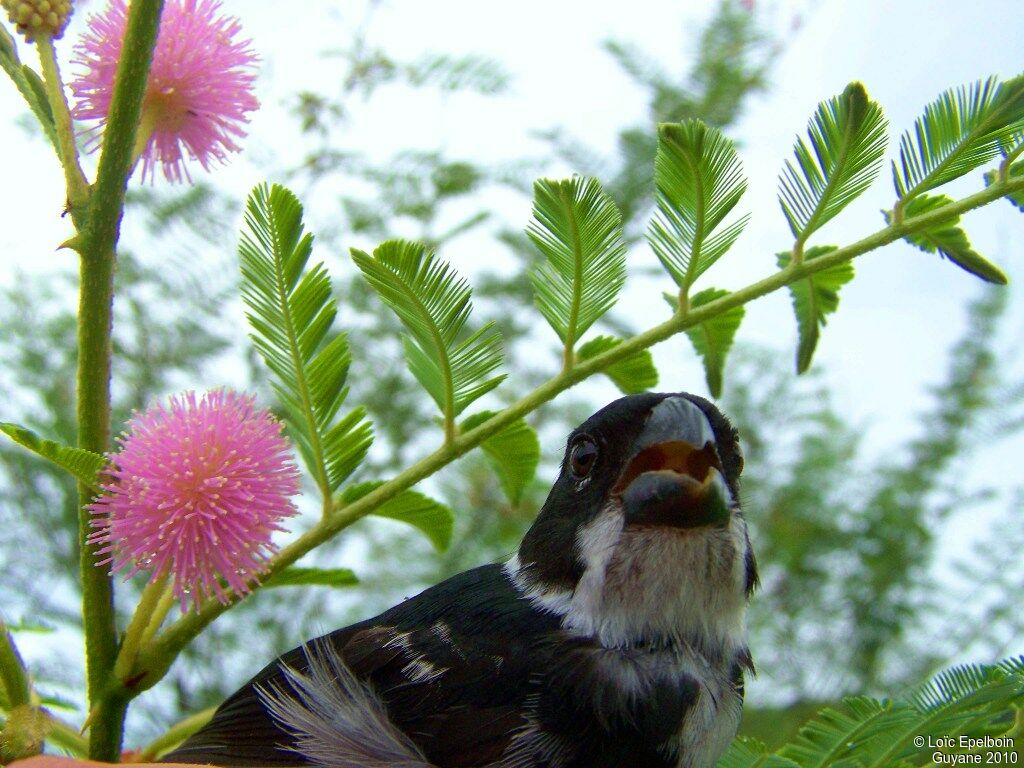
[641, 540]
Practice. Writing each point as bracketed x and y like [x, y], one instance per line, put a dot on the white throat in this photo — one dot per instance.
[652, 586]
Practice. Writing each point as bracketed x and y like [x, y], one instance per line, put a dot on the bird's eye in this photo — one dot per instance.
[582, 457]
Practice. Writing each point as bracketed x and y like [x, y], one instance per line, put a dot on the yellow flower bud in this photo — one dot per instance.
[34, 18]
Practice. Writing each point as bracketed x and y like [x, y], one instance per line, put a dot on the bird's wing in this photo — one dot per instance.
[438, 679]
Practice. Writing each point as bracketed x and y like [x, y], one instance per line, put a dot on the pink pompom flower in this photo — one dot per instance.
[200, 88]
[196, 491]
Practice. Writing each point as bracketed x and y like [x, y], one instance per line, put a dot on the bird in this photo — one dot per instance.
[614, 637]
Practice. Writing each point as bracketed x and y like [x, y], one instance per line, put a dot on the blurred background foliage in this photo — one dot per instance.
[855, 595]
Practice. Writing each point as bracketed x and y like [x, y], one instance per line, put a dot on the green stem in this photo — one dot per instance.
[97, 248]
[156, 657]
[94, 320]
[1004, 167]
[144, 613]
[176, 734]
[12, 671]
[77, 186]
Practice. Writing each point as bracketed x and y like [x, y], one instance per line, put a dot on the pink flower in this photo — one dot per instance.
[200, 85]
[196, 491]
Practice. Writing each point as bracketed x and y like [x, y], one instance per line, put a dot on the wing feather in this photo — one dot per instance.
[445, 672]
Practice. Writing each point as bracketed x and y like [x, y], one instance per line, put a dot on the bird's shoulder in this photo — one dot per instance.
[455, 659]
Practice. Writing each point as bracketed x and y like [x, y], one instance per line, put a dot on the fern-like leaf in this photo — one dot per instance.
[459, 73]
[839, 736]
[29, 84]
[970, 700]
[513, 453]
[847, 144]
[713, 338]
[949, 240]
[634, 373]
[81, 464]
[962, 129]
[1013, 666]
[579, 230]
[431, 517]
[291, 310]
[433, 304]
[750, 753]
[964, 700]
[698, 181]
[814, 298]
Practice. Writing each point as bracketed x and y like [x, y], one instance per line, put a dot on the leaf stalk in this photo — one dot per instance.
[176, 734]
[74, 179]
[144, 613]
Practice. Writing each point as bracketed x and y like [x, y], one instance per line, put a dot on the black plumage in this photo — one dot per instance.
[561, 658]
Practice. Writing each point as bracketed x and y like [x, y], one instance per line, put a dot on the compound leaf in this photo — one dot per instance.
[847, 144]
[814, 298]
[634, 373]
[433, 303]
[513, 453]
[431, 517]
[29, 84]
[750, 753]
[291, 310]
[713, 338]
[81, 464]
[579, 230]
[949, 240]
[698, 181]
[962, 129]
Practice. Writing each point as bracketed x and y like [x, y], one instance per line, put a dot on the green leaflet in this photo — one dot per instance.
[839, 736]
[750, 753]
[27, 81]
[513, 453]
[635, 373]
[459, 73]
[961, 130]
[81, 464]
[847, 144]
[433, 304]
[36, 626]
[713, 338]
[54, 701]
[864, 733]
[291, 311]
[579, 230]
[698, 181]
[814, 298]
[320, 577]
[966, 699]
[949, 240]
[431, 517]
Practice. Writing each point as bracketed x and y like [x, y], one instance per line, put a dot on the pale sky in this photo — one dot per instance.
[882, 350]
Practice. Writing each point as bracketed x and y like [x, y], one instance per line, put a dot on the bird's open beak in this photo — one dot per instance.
[675, 478]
